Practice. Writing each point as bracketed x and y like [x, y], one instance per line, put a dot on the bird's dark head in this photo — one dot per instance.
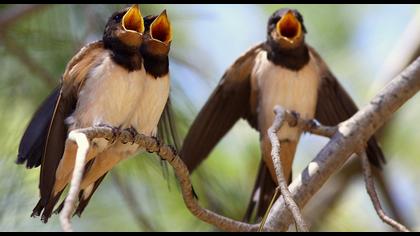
[124, 30]
[156, 44]
[158, 34]
[285, 28]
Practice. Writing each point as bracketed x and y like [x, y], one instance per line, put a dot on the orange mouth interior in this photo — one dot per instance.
[160, 29]
[133, 20]
[289, 26]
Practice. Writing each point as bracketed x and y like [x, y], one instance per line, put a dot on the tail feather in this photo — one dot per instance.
[261, 195]
[374, 153]
[83, 201]
[45, 207]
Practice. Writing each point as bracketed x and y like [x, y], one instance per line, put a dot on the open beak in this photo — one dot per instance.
[160, 29]
[289, 27]
[132, 20]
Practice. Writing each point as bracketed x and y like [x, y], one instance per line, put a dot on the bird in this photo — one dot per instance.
[122, 82]
[283, 70]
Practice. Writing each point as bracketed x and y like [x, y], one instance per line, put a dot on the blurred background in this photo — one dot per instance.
[364, 45]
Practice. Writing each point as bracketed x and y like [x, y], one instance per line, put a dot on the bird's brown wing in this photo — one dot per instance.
[168, 133]
[32, 144]
[167, 130]
[228, 102]
[72, 82]
[335, 105]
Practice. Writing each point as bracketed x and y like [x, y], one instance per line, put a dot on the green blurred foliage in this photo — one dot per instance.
[224, 181]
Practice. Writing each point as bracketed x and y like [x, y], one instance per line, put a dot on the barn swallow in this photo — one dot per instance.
[284, 70]
[105, 84]
[155, 48]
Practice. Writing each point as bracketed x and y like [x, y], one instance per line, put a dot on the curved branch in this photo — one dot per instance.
[275, 153]
[370, 187]
[165, 152]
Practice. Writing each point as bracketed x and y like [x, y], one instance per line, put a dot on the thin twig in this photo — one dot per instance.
[317, 211]
[308, 125]
[391, 201]
[165, 152]
[314, 127]
[275, 153]
[370, 187]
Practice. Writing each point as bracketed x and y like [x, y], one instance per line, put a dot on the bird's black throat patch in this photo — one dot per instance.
[156, 65]
[124, 55]
[293, 59]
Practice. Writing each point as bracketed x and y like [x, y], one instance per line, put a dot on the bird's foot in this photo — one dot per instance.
[157, 143]
[133, 133]
[115, 132]
[312, 124]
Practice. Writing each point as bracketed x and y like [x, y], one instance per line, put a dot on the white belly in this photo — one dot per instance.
[292, 90]
[116, 97]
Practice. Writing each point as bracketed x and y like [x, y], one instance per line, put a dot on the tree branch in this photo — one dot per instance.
[165, 152]
[350, 138]
[370, 187]
[311, 126]
[275, 154]
[320, 208]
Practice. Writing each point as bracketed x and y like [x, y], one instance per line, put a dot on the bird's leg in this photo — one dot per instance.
[115, 132]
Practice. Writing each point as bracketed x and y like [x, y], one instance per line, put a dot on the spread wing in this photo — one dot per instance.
[52, 149]
[335, 105]
[228, 102]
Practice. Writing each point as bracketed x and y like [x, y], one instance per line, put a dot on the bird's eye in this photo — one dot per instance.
[118, 17]
[275, 20]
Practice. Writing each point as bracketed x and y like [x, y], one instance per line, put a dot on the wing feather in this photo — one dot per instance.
[228, 102]
[335, 105]
[72, 81]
